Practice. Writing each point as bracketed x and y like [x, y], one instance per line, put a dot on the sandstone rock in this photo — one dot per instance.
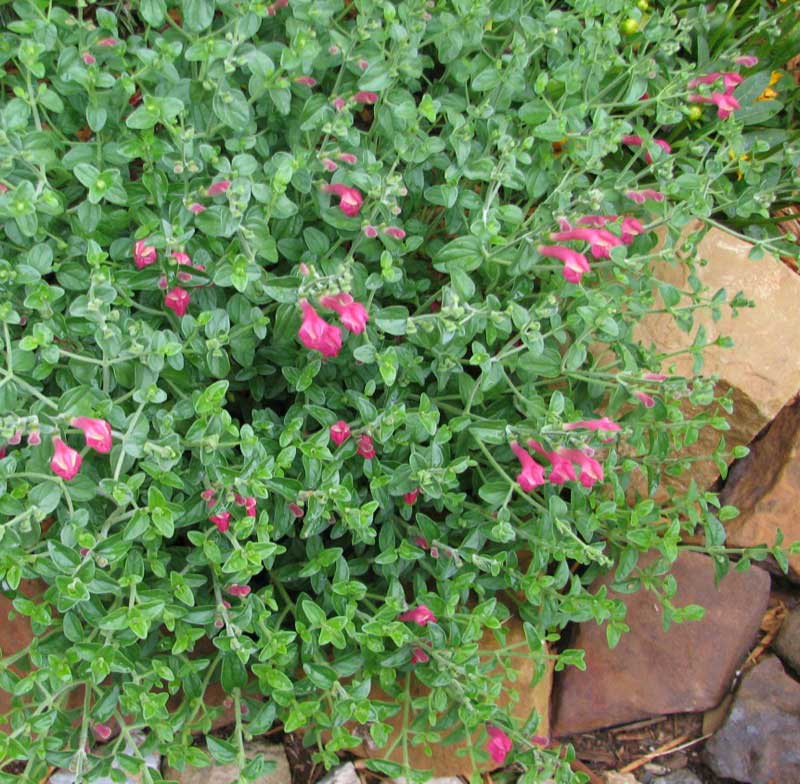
[761, 369]
[787, 643]
[758, 743]
[678, 777]
[225, 774]
[652, 672]
[612, 777]
[344, 774]
[765, 486]
[444, 762]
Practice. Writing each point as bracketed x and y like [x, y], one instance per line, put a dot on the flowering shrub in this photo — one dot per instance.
[318, 353]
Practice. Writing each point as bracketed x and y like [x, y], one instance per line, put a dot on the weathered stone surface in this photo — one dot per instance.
[444, 762]
[678, 777]
[787, 643]
[758, 743]
[344, 774]
[225, 774]
[612, 777]
[765, 487]
[761, 369]
[652, 672]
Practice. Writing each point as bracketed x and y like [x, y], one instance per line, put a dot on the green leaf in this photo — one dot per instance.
[197, 14]
[221, 750]
[212, 398]
[153, 11]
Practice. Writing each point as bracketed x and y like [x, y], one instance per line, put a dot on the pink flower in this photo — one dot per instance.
[421, 615]
[575, 264]
[591, 470]
[315, 333]
[348, 157]
[219, 187]
[363, 96]
[730, 80]
[561, 470]
[498, 745]
[222, 520]
[296, 510]
[726, 104]
[163, 283]
[532, 474]
[196, 208]
[107, 42]
[97, 433]
[340, 432]
[370, 231]
[631, 227]
[395, 232]
[600, 240]
[363, 64]
[350, 199]
[34, 438]
[604, 424]
[747, 60]
[102, 731]
[177, 300]
[184, 277]
[655, 376]
[421, 541]
[66, 461]
[418, 656]
[640, 197]
[334, 50]
[366, 446]
[3, 187]
[308, 81]
[238, 590]
[208, 496]
[183, 259]
[3, 452]
[143, 254]
[88, 58]
[16, 438]
[272, 9]
[248, 502]
[644, 399]
[411, 497]
[594, 221]
[330, 165]
[353, 314]
[636, 141]
[339, 104]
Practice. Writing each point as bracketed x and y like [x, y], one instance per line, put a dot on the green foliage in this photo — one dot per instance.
[493, 120]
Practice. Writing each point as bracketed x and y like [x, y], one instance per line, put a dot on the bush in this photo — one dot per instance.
[318, 339]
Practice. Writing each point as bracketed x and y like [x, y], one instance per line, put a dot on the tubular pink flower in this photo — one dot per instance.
[600, 240]
[339, 104]
[575, 264]
[411, 498]
[177, 300]
[370, 231]
[418, 656]
[656, 376]
[348, 157]
[420, 614]
[34, 438]
[353, 315]
[706, 79]
[315, 333]
[183, 259]
[308, 81]
[363, 64]
[596, 221]
[88, 59]
[196, 208]
[634, 140]
[329, 165]
[66, 461]
[532, 474]
[726, 104]
[143, 254]
[102, 732]
[366, 447]
[340, 432]
[239, 590]
[184, 277]
[591, 470]
[208, 495]
[644, 399]
[222, 520]
[216, 188]
[296, 510]
[640, 197]
[350, 199]
[631, 227]
[498, 745]
[96, 432]
[364, 96]
[562, 469]
[421, 541]
[163, 283]
[603, 424]
[16, 438]
[747, 60]
[107, 42]
[3, 452]
[395, 232]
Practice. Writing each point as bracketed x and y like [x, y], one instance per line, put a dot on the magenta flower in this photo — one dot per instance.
[370, 231]
[88, 58]
[631, 227]
[420, 614]
[364, 96]
[208, 495]
[222, 520]
[163, 283]
[184, 277]
[196, 208]
[296, 510]
[591, 470]
[308, 81]
[411, 497]
[177, 300]
[16, 438]
[3, 452]
[395, 232]
[66, 461]
[363, 64]
[239, 590]
[561, 470]
[498, 745]
[102, 731]
[418, 656]
[600, 240]
[348, 157]
[575, 264]
[97, 433]
[747, 60]
[339, 104]
[330, 165]
[143, 254]
[216, 188]
[725, 102]
[655, 376]
[353, 314]
[644, 399]
[635, 140]
[532, 474]
[421, 541]
[340, 432]
[350, 199]
[603, 424]
[640, 197]
[730, 80]
[595, 221]
[366, 447]
[181, 258]
[34, 438]
[315, 333]
[107, 42]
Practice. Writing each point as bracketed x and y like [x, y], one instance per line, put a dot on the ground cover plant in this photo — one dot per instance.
[318, 355]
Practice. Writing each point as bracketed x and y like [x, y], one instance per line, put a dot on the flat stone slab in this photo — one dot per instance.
[225, 774]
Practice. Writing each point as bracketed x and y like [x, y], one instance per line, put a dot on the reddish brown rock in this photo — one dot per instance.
[765, 487]
[761, 370]
[759, 742]
[652, 672]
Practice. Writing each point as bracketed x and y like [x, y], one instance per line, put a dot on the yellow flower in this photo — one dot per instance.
[769, 94]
